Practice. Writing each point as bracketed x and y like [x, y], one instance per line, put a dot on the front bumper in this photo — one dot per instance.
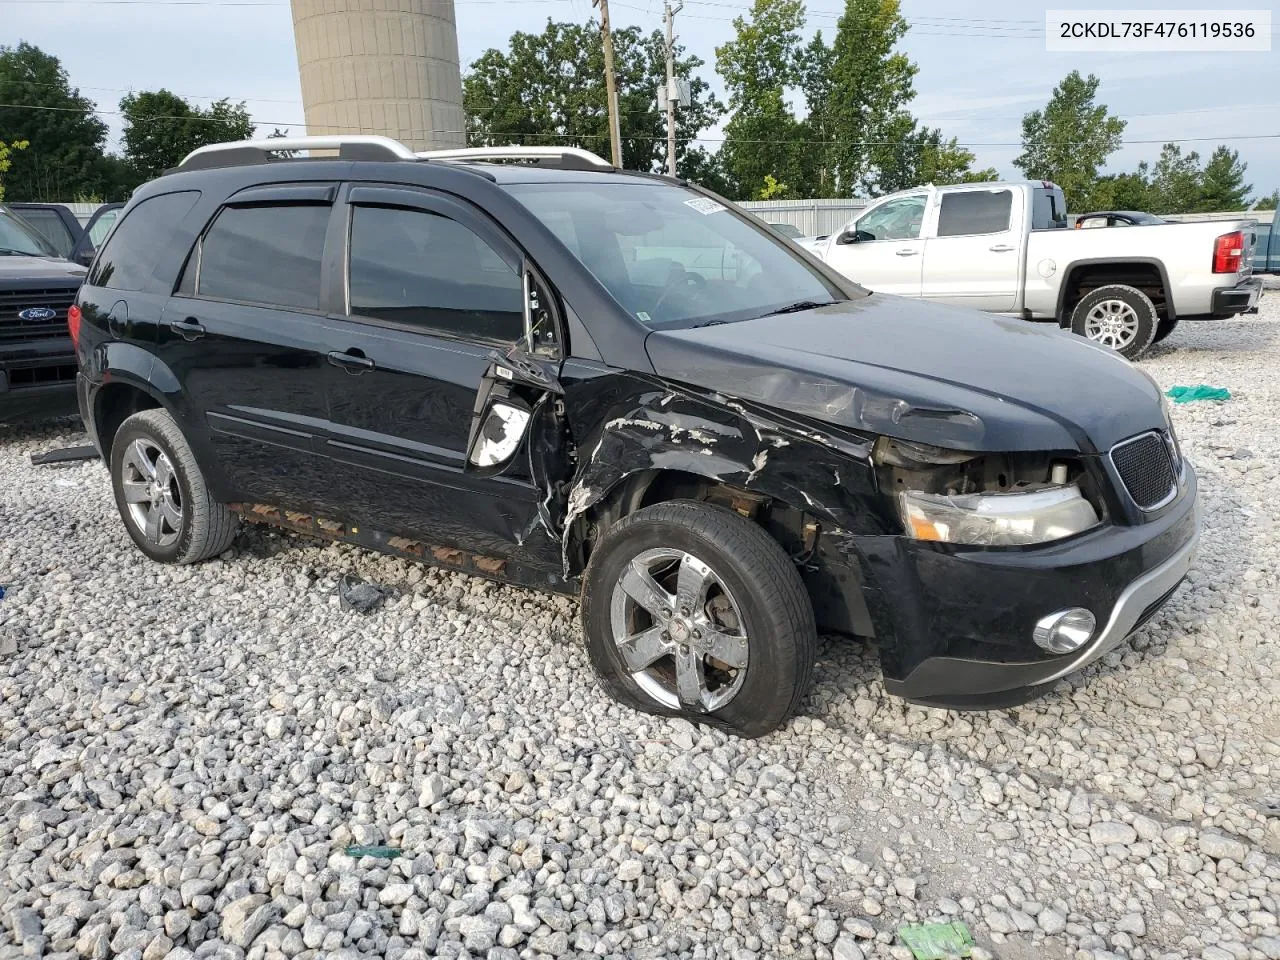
[1229, 301]
[955, 626]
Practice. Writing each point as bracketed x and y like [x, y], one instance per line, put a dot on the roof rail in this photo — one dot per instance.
[349, 147]
[569, 158]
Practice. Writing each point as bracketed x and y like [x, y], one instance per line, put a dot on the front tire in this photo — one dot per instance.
[690, 610]
[1117, 316]
[161, 493]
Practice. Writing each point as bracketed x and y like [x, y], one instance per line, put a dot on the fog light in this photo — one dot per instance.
[1065, 630]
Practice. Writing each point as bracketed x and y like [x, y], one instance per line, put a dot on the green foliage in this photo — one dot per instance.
[1268, 202]
[6, 151]
[773, 190]
[758, 66]
[548, 88]
[1222, 185]
[1069, 141]
[871, 85]
[1176, 181]
[65, 137]
[160, 128]
[1120, 191]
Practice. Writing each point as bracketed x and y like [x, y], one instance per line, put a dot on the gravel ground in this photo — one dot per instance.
[185, 754]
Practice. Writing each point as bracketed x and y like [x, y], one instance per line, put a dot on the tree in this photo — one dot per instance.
[1122, 191]
[922, 156]
[1222, 185]
[1070, 139]
[763, 138]
[6, 151]
[1177, 181]
[64, 157]
[548, 88]
[1268, 202]
[870, 87]
[160, 128]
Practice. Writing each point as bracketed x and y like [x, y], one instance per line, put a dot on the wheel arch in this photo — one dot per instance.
[1138, 272]
[794, 483]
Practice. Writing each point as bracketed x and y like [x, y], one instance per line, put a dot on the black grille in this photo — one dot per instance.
[13, 302]
[1146, 467]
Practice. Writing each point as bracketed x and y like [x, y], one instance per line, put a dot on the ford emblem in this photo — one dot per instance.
[37, 314]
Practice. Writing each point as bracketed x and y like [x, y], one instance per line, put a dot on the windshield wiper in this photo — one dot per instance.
[10, 252]
[797, 307]
[711, 323]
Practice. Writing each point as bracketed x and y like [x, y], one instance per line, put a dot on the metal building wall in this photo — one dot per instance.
[812, 217]
[388, 67]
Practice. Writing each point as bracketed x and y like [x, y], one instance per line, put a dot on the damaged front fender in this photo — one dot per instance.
[635, 430]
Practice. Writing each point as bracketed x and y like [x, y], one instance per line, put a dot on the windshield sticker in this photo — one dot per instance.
[642, 316]
[704, 205]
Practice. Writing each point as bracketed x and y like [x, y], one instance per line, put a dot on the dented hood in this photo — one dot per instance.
[921, 371]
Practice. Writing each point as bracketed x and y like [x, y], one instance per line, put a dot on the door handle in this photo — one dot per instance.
[907, 252]
[189, 328]
[353, 361]
[1001, 248]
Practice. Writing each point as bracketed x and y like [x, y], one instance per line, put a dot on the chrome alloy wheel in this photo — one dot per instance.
[679, 630]
[152, 493]
[1112, 323]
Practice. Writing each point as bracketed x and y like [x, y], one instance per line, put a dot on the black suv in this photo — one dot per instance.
[528, 365]
[37, 289]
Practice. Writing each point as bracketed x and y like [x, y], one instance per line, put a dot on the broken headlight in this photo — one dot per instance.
[997, 519]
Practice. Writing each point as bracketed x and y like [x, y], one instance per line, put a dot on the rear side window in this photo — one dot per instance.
[266, 254]
[975, 211]
[150, 231]
[428, 271]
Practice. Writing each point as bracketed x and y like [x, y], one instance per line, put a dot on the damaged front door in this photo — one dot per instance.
[436, 302]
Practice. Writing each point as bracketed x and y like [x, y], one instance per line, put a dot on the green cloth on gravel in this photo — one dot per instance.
[386, 853]
[937, 941]
[1201, 392]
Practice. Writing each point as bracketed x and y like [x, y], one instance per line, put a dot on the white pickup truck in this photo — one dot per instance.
[1005, 248]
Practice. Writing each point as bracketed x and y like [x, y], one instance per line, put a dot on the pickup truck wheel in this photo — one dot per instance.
[1117, 316]
[161, 492]
[1164, 328]
[690, 610]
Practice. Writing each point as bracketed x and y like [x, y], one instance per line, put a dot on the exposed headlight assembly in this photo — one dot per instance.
[997, 519]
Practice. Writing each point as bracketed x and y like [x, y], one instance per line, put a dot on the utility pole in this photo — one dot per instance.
[610, 84]
[669, 15]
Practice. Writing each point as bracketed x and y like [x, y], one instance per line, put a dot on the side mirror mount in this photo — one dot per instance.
[497, 433]
[854, 235]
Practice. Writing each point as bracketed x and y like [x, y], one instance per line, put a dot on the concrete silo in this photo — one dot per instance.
[388, 67]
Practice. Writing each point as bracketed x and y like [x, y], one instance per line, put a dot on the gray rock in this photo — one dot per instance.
[1109, 831]
[1218, 847]
[245, 918]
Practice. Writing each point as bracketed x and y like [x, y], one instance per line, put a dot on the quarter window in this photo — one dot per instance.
[425, 270]
[265, 254]
[895, 220]
[150, 231]
[974, 211]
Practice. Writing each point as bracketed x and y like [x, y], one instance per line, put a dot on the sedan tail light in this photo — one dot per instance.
[1228, 251]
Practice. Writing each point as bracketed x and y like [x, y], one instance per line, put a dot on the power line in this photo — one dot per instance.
[698, 139]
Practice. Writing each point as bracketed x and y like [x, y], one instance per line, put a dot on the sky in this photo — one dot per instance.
[982, 63]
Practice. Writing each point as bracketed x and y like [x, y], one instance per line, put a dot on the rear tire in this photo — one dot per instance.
[1117, 316]
[1164, 328]
[161, 493]
[748, 636]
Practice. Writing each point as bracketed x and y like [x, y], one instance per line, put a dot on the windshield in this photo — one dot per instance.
[673, 257]
[17, 239]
